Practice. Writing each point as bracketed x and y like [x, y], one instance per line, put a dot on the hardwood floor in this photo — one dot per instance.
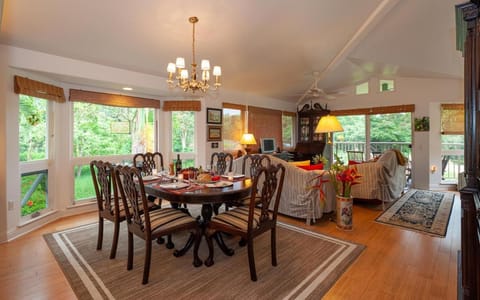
[396, 264]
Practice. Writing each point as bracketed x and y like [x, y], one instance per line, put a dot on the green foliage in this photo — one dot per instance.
[32, 128]
[83, 183]
[38, 199]
[183, 131]
[92, 134]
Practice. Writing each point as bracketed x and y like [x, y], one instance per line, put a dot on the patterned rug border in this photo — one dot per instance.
[398, 204]
[88, 283]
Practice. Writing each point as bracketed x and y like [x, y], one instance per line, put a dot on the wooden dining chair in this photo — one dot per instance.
[222, 162]
[148, 161]
[109, 207]
[249, 222]
[251, 163]
[150, 225]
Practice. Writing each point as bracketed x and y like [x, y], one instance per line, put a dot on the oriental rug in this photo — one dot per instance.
[423, 211]
[308, 265]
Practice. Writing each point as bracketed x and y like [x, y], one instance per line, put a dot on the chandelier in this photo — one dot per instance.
[178, 70]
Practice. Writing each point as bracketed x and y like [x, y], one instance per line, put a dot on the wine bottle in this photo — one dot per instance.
[178, 165]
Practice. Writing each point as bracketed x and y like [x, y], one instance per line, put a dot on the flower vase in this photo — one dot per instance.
[344, 216]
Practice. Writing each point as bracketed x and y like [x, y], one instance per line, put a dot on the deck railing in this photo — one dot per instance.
[452, 160]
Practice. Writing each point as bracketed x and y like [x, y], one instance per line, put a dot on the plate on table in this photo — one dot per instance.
[174, 185]
[219, 184]
[149, 177]
[235, 176]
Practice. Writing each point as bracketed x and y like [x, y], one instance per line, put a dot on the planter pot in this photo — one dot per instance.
[344, 210]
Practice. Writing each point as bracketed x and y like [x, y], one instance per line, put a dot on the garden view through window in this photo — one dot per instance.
[107, 131]
[33, 154]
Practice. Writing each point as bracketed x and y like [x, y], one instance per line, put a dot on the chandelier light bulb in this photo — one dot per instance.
[180, 63]
[205, 65]
[217, 71]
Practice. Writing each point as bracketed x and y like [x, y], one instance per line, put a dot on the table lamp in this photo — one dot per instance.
[328, 124]
[246, 140]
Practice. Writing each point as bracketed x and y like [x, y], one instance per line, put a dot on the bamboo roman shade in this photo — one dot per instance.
[375, 110]
[112, 99]
[38, 89]
[452, 119]
[191, 105]
[265, 123]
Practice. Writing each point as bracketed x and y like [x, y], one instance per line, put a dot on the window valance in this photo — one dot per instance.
[38, 89]
[112, 99]
[191, 105]
[375, 110]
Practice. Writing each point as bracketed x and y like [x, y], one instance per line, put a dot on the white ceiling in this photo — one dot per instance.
[268, 47]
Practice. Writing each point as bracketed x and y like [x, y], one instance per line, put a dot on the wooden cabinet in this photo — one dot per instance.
[310, 143]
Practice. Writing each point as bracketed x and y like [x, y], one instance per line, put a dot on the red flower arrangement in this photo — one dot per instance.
[342, 177]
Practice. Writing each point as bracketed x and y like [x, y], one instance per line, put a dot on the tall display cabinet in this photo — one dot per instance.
[469, 285]
[310, 143]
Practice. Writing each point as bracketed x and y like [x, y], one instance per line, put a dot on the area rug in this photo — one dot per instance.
[308, 265]
[424, 211]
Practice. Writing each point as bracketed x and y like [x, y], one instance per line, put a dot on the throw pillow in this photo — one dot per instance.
[353, 162]
[300, 163]
[312, 167]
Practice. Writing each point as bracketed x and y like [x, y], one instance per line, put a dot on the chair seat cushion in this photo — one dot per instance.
[238, 218]
[168, 218]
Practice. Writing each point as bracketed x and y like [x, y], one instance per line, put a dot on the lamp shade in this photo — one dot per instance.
[328, 123]
[248, 139]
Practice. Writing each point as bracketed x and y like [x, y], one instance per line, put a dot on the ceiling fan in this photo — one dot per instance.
[314, 92]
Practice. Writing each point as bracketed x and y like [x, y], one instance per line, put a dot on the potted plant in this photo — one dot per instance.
[342, 177]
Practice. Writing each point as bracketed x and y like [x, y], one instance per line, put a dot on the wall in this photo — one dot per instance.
[427, 95]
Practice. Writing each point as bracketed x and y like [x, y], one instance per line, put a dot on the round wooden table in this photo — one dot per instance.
[208, 197]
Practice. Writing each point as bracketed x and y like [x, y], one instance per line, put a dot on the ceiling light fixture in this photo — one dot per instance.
[186, 83]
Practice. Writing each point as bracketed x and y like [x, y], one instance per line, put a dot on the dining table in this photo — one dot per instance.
[209, 195]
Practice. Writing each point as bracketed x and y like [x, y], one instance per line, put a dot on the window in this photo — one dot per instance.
[361, 89]
[288, 129]
[110, 126]
[452, 139]
[374, 130]
[101, 130]
[35, 127]
[183, 137]
[386, 85]
[232, 128]
[33, 145]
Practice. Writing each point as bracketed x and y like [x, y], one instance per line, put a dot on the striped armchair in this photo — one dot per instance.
[383, 179]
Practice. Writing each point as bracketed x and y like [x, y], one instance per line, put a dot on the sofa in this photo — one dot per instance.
[382, 179]
[298, 199]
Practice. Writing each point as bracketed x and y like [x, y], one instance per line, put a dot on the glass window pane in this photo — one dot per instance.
[361, 89]
[232, 129]
[33, 129]
[183, 131]
[34, 192]
[391, 131]
[287, 131]
[83, 184]
[452, 157]
[386, 85]
[108, 130]
[352, 137]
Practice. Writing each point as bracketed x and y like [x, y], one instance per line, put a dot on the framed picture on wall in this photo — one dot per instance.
[214, 133]
[214, 116]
